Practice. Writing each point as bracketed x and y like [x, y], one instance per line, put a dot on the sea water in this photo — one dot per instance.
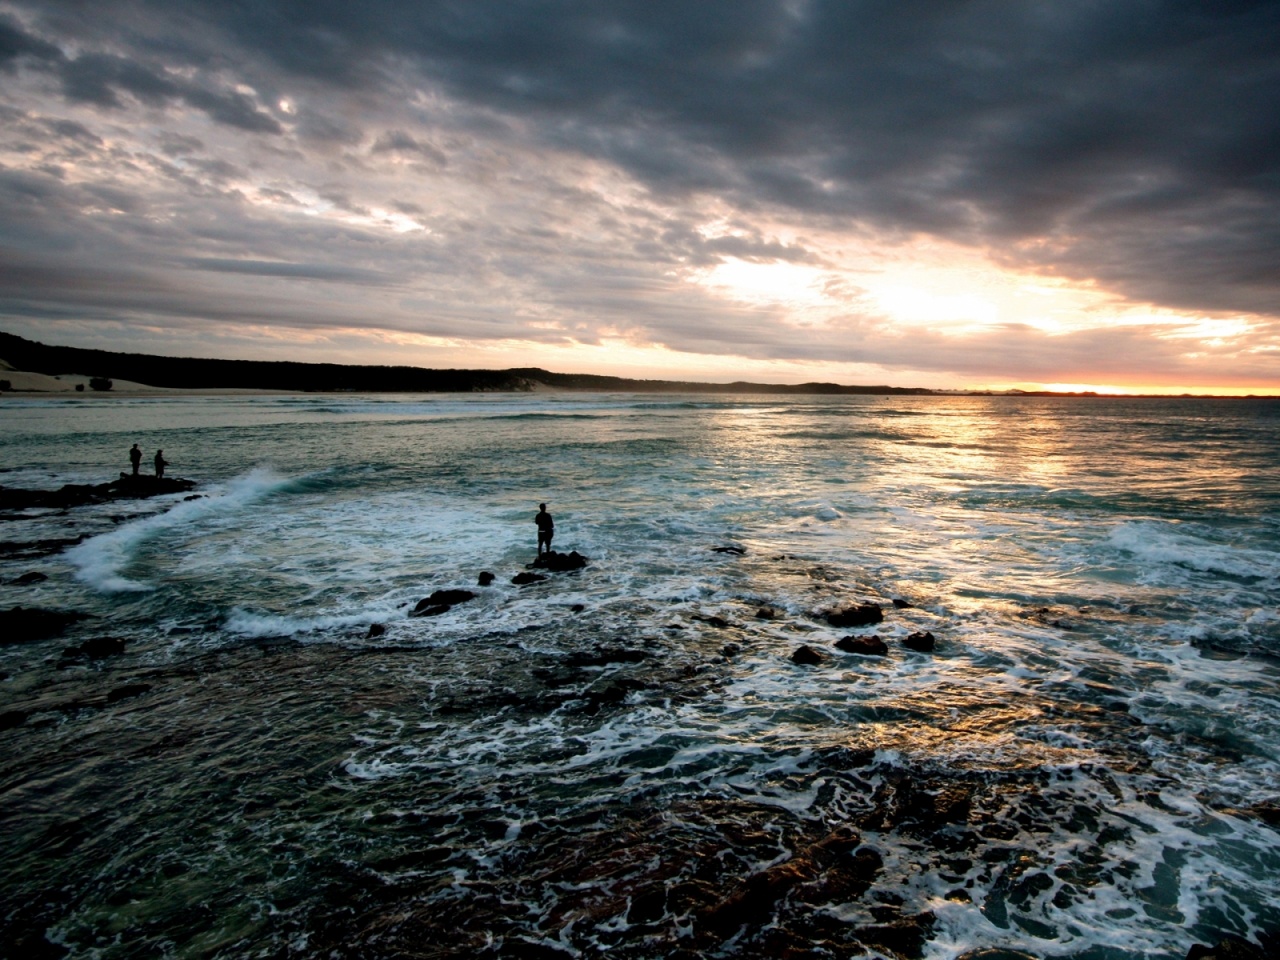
[1087, 765]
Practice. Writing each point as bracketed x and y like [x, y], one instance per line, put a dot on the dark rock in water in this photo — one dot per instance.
[12, 718]
[560, 562]
[994, 953]
[602, 656]
[578, 607]
[127, 691]
[486, 578]
[447, 596]
[375, 630]
[128, 487]
[718, 622]
[26, 624]
[38, 548]
[521, 579]
[870, 645]
[735, 550]
[807, 656]
[194, 496]
[921, 640]
[901, 604]
[427, 609]
[753, 902]
[94, 649]
[905, 937]
[858, 615]
[35, 576]
[766, 613]
[1228, 948]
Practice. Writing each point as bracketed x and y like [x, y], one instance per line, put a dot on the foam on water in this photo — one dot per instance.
[101, 560]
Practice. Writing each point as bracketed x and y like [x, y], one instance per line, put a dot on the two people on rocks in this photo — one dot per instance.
[135, 459]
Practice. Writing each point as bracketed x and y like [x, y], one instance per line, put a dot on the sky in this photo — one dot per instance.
[1074, 194]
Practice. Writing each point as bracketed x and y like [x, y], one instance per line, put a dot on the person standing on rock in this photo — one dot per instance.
[546, 528]
[161, 463]
[135, 458]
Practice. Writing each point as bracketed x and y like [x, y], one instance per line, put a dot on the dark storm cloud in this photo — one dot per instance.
[1110, 130]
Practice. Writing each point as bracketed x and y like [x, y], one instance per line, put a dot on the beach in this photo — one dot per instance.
[276, 757]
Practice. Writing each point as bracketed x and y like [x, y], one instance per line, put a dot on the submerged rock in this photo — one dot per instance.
[858, 615]
[900, 604]
[427, 609]
[870, 645]
[375, 630]
[27, 624]
[94, 649]
[735, 550]
[486, 578]
[1228, 948]
[35, 576]
[921, 640]
[522, 579]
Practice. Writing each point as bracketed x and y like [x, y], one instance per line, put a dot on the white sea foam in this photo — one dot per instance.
[1173, 545]
[100, 561]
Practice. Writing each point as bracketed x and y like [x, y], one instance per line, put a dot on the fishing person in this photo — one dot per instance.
[546, 528]
[161, 463]
[135, 458]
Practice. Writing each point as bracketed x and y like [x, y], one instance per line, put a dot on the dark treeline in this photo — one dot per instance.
[197, 374]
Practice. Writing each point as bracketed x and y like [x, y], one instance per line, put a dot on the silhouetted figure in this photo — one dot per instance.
[546, 528]
[161, 463]
[135, 457]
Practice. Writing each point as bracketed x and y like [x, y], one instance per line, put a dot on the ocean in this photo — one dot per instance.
[625, 759]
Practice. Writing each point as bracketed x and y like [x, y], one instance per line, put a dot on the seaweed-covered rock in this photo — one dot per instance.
[870, 645]
[858, 615]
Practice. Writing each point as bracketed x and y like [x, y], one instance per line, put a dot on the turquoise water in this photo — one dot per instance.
[598, 762]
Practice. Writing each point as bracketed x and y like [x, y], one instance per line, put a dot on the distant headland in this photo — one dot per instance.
[27, 366]
[102, 369]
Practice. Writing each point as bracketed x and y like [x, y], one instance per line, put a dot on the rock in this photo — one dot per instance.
[375, 630]
[718, 622]
[993, 953]
[25, 624]
[560, 562]
[1228, 948]
[521, 579]
[870, 645]
[900, 604]
[35, 576]
[905, 937]
[921, 641]
[128, 487]
[858, 615]
[94, 649]
[486, 578]
[766, 613]
[578, 607]
[448, 596]
[735, 550]
[425, 609]
[12, 718]
[807, 656]
[128, 691]
[194, 496]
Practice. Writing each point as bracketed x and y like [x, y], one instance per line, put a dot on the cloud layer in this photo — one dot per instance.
[519, 176]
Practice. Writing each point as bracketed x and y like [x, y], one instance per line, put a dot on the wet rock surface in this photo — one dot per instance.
[869, 645]
[127, 487]
[559, 562]
[856, 615]
[29, 624]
